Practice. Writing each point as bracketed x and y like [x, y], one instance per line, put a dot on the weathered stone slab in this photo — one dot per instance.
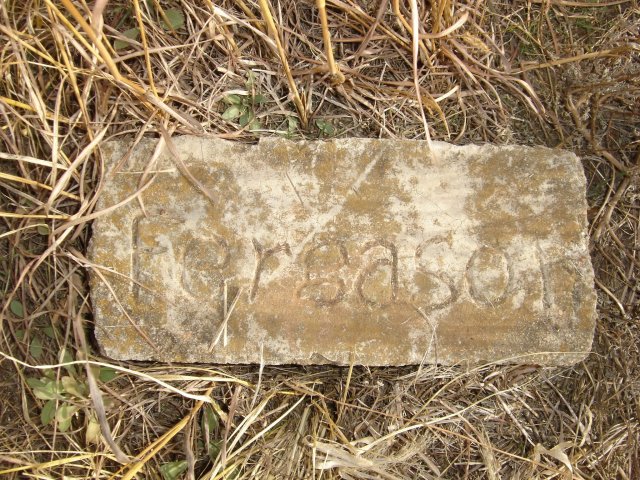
[320, 252]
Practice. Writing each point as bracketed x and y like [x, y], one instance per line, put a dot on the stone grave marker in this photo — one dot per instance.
[378, 252]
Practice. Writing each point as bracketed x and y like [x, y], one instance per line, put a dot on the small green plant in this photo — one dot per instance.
[243, 108]
[65, 395]
[60, 396]
[326, 128]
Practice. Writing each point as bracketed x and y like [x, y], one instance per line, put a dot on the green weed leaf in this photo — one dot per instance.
[175, 18]
[107, 374]
[66, 357]
[209, 423]
[132, 34]
[35, 348]
[292, 124]
[325, 127]
[245, 118]
[48, 331]
[171, 471]
[214, 450]
[259, 99]
[46, 389]
[93, 431]
[251, 79]
[72, 386]
[48, 412]
[16, 308]
[233, 112]
[209, 419]
[233, 99]
[64, 414]
[35, 382]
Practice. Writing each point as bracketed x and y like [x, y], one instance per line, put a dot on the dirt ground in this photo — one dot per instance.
[560, 73]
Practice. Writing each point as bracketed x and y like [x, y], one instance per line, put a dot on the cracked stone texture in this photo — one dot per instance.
[378, 251]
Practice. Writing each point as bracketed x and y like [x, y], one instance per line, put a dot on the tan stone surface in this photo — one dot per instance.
[318, 252]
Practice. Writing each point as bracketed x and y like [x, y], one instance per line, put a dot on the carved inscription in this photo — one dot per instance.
[436, 286]
[390, 253]
[201, 261]
[203, 264]
[322, 263]
[560, 276]
[147, 249]
[377, 283]
[488, 277]
[488, 274]
[262, 256]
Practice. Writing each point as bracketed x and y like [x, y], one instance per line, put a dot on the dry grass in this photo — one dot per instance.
[558, 72]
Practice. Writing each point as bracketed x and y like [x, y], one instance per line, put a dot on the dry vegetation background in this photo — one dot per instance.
[73, 74]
